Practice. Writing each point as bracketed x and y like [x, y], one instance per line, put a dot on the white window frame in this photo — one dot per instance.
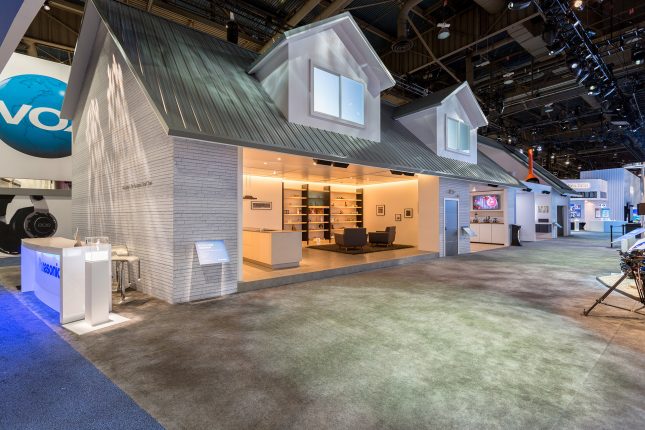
[337, 119]
[460, 121]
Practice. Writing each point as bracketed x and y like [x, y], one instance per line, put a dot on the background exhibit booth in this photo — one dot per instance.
[173, 127]
[608, 198]
[540, 208]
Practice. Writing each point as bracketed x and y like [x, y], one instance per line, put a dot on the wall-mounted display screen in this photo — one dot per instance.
[575, 210]
[487, 202]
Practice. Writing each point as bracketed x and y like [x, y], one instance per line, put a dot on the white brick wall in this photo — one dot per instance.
[154, 193]
[207, 207]
[455, 189]
[119, 142]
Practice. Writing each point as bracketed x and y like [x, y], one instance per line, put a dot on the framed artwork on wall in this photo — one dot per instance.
[380, 210]
[407, 213]
[397, 217]
[543, 209]
[261, 206]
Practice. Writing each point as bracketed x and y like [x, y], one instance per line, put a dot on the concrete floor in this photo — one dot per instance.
[314, 260]
[492, 339]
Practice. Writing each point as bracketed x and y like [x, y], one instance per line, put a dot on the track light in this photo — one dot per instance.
[638, 56]
[47, 6]
[519, 5]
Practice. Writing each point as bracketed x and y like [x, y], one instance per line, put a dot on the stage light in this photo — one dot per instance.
[519, 5]
[638, 56]
[578, 4]
[583, 75]
[556, 47]
[573, 63]
[539, 148]
[47, 6]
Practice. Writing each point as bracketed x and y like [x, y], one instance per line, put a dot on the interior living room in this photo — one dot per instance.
[302, 215]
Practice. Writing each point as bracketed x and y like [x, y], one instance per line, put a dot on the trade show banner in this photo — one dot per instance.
[35, 142]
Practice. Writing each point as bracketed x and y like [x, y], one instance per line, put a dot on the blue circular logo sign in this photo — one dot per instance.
[30, 119]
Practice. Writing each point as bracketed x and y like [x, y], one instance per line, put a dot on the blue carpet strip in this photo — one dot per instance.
[47, 384]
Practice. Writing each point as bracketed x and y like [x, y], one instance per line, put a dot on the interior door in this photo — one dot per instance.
[451, 226]
[561, 220]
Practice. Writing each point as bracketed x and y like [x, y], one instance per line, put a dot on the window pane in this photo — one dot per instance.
[326, 93]
[464, 137]
[352, 103]
[452, 134]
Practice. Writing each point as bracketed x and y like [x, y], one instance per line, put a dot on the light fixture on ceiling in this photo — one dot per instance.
[47, 6]
[548, 108]
[556, 47]
[444, 33]
[508, 80]
[481, 62]
[638, 56]
[573, 62]
[539, 148]
[578, 4]
[519, 5]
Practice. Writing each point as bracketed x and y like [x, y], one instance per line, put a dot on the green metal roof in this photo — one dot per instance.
[200, 88]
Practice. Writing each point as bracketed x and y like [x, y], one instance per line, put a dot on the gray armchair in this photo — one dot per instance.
[385, 238]
[351, 238]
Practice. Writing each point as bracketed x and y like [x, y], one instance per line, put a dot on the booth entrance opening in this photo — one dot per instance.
[303, 216]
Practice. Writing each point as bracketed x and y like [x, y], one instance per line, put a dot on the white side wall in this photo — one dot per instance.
[455, 189]
[525, 215]
[428, 216]
[266, 190]
[396, 197]
[206, 207]
[123, 171]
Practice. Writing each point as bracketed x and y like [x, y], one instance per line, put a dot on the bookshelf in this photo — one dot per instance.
[320, 211]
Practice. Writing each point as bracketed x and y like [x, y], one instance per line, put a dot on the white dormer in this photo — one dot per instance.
[326, 75]
[446, 121]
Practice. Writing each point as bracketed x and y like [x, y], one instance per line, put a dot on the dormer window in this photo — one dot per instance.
[338, 97]
[457, 135]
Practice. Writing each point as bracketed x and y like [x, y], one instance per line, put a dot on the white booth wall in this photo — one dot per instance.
[623, 187]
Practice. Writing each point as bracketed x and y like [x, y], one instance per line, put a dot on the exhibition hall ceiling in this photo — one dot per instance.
[296, 168]
[565, 76]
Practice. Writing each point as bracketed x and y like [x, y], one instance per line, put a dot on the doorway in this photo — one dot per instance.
[451, 226]
[561, 218]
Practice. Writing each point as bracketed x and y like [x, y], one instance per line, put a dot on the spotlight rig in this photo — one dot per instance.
[564, 33]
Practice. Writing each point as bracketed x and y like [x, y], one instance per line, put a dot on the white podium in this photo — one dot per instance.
[98, 294]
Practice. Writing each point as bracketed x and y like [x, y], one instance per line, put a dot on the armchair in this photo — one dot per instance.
[385, 238]
[351, 238]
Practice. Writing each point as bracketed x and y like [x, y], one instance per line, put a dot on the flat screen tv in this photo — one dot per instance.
[487, 202]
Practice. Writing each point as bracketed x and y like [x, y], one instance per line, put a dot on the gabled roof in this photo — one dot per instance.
[199, 87]
[549, 178]
[351, 35]
[461, 91]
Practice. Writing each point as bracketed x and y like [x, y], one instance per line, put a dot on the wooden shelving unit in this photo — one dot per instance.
[317, 212]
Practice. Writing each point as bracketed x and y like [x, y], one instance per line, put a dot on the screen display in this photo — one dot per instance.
[575, 210]
[211, 252]
[488, 202]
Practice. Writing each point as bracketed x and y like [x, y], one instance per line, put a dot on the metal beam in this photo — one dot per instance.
[332, 9]
[67, 6]
[149, 7]
[474, 43]
[434, 59]
[31, 41]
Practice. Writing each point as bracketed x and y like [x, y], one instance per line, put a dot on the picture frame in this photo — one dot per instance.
[380, 210]
[407, 213]
[397, 217]
[543, 209]
[261, 206]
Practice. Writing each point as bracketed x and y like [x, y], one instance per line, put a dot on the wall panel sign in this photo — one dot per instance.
[35, 142]
[211, 252]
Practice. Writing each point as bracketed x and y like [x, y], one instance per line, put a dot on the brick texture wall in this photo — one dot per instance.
[122, 171]
[207, 207]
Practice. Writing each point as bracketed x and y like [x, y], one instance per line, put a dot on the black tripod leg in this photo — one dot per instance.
[604, 296]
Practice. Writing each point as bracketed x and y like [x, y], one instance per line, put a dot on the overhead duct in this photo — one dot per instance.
[403, 43]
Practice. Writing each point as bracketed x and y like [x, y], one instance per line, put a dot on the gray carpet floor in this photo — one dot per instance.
[494, 339]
